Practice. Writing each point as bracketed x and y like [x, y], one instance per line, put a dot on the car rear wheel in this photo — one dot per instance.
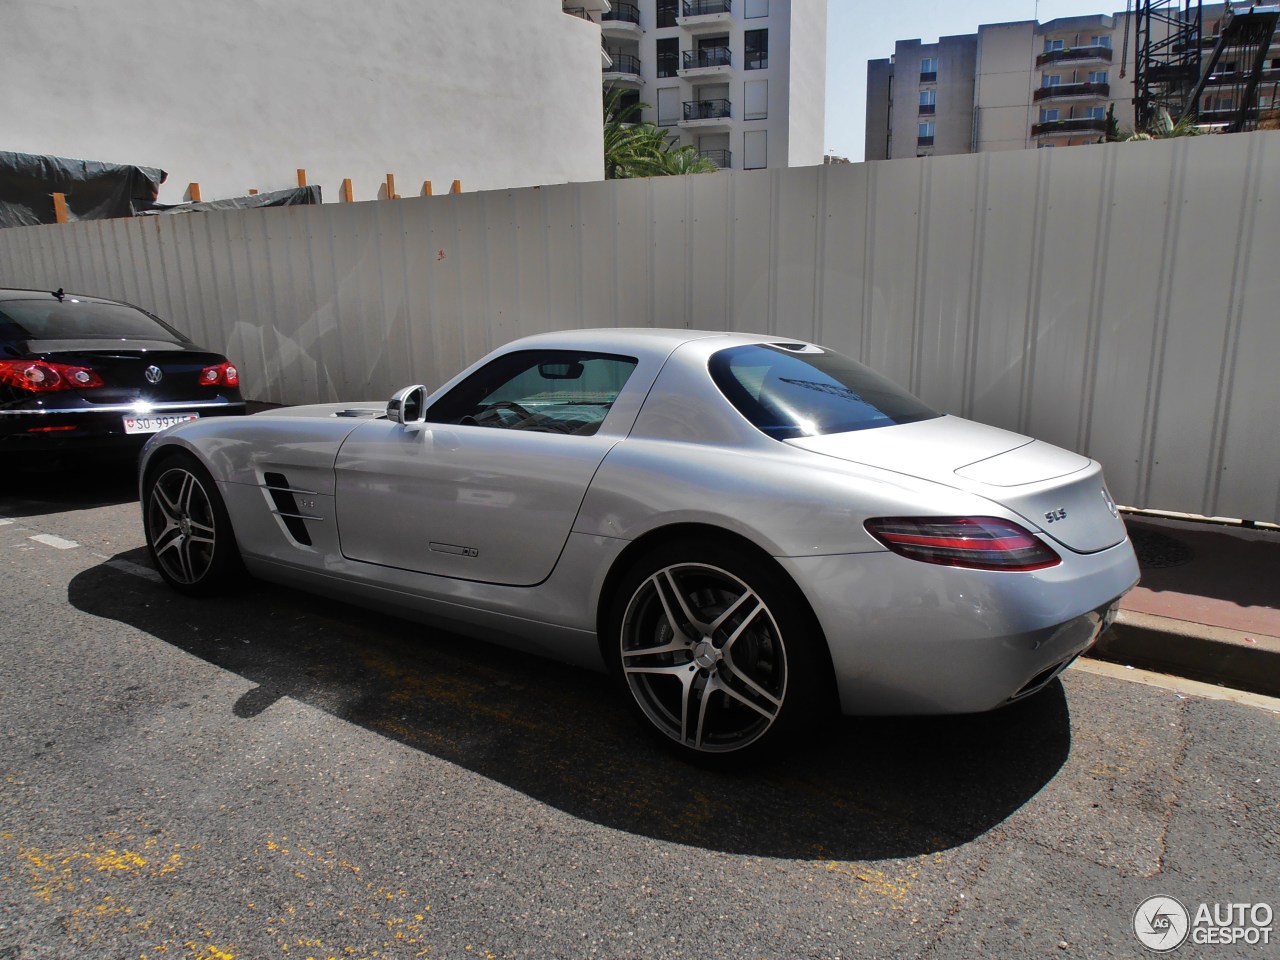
[721, 658]
[187, 527]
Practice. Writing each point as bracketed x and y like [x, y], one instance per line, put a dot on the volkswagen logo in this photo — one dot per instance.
[153, 374]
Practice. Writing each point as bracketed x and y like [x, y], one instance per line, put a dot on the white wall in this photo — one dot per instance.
[806, 50]
[239, 94]
[1118, 300]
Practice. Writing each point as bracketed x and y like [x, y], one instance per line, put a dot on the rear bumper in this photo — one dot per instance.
[91, 429]
[917, 638]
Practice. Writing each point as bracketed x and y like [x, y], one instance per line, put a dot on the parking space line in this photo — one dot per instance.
[50, 540]
[136, 569]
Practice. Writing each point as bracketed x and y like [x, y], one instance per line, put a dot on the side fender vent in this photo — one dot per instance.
[287, 507]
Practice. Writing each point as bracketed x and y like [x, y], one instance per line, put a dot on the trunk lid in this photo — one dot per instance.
[1056, 491]
[123, 365]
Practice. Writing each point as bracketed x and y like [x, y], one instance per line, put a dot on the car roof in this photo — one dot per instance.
[18, 293]
[656, 341]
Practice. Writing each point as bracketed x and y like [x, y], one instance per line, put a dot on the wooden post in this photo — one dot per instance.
[391, 186]
[60, 208]
[426, 188]
[346, 190]
[457, 187]
[302, 177]
[193, 191]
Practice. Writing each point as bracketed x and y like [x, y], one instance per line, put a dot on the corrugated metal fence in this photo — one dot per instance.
[1118, 300]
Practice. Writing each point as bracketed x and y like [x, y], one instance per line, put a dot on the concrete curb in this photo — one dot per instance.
[1194, 651]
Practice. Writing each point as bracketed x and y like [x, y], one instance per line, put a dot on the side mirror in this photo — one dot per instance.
[408, 405]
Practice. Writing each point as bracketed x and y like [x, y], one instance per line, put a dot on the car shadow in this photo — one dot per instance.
[83, 484]
[859, 789]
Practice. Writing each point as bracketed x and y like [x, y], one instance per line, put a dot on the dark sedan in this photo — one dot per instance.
[86, 374]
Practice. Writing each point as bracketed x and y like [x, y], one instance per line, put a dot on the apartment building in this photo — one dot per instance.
[1028, 85]
[743, 81]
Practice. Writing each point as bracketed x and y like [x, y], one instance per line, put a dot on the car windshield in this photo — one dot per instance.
[797, 390]
[71, 319]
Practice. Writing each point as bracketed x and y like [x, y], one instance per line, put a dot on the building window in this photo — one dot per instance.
[1051, 80]
[756, 93]
[1052, 46]
[928, 101]
[925, 131]
[757, 49]
[668, 106]
[755, 150]
[1095, 113]
[756, 9]
[669, 57]
[1103, 41]
[1048, 114]
[928, 69]
[629, 106]
[1099, 76]
[667, 12]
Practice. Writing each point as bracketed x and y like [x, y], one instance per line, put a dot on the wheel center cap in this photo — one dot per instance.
[706, 655]
[184, 525]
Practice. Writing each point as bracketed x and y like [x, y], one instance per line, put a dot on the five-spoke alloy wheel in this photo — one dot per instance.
[187, 528]
[716, 656]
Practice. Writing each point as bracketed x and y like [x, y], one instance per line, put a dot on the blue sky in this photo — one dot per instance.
[862, 30]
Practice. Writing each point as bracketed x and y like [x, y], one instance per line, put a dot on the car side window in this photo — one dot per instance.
[549, 391]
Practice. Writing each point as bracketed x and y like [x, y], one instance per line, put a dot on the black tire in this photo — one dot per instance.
[187, 527]
[717, 650]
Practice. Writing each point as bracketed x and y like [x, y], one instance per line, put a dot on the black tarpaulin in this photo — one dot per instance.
[94, 190]
[294, 197]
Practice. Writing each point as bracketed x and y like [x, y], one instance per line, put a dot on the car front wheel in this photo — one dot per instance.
[188, 530]
[721, 658]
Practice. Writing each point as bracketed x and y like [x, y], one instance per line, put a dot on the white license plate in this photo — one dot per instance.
[157, 422]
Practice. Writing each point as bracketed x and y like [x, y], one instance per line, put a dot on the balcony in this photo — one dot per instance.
[623, 19]
[624, 69]
[1075, 55]
[1073, 91]
[928, 109]
[707, 114]
[1069, 127]
[707, 61]
[700, 16]
[924, 141]
[721, 158]
[928, 76]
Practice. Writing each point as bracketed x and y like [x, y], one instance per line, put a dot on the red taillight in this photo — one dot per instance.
[981, 543]
[40, 376]
[224, 374]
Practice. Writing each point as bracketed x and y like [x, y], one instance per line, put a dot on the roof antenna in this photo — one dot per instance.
[59, 294]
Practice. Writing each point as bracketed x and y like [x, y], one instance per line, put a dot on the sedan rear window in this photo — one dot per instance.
[72, 319]
[797, 390]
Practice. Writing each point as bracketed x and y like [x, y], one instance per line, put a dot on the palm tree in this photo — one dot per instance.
[638, 149]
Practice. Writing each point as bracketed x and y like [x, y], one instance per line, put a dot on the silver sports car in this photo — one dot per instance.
[744, 530]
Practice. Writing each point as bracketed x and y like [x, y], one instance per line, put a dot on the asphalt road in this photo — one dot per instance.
[275, 775]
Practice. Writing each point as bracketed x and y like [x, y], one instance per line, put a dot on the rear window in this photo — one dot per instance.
[72, 319]
[796, 390]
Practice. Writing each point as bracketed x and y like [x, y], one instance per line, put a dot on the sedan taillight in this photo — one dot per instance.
[980, 543]
[223, 374]
[40, 376]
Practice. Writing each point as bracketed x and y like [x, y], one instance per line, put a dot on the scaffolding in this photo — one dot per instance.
[1226, 95]
[1167, 57]
[1174, 76]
